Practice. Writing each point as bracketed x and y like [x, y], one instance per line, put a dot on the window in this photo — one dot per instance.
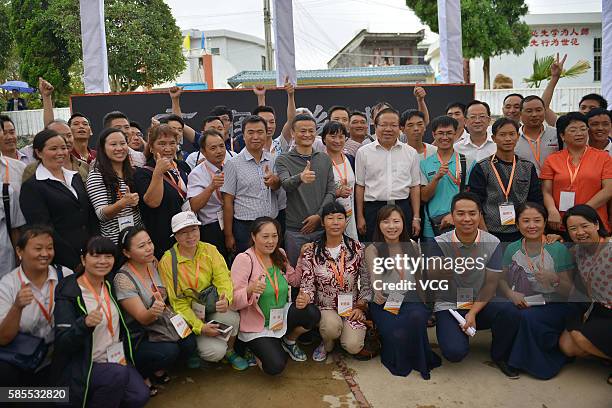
[597, 59]
[215, 51]
[263, 63]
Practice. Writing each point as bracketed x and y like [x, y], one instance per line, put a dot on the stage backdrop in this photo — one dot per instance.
[195, 105]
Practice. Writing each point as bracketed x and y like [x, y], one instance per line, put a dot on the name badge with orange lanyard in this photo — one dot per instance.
[345, 300]
[48, 311]
[394, 301]
[277, 315]
[343, 182]
[125, 221]
[537, 149]
[217, 193]
[115, 352]
[507, 213]
[567, 198]
[178, 185]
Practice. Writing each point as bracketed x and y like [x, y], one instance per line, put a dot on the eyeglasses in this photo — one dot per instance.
[444, 134]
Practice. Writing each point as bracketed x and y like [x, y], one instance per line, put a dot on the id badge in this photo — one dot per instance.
[186, 206]
[566, 200]
[507, 214]
[345, 304]
[394, 303]
[125, 222]
[199, 310]
[465, 298]
[277, 319]
[180, 325]
[220, 218]
[116, 354]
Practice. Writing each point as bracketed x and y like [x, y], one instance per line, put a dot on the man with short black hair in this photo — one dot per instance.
[307, 177]
[412, 123]
[600, 129]
[249, 188]
[339, 114]
[209, 123]
[478, 144]
[537, 140]
[8, 141]
[358, 131]
[456, 110]
[511, 107]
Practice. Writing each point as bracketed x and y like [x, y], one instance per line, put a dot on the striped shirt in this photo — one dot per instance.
[100, 197]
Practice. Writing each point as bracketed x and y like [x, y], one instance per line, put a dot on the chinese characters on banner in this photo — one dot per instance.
[557, 36]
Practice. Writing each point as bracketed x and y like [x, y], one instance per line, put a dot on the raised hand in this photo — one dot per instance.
[257, 286]
[289, 88]
[94, 318]
[25, 296]
[307, 176]
[419, 92]
[222, 304]
[556, 69]
[259, 90]
[44, 87]
[162, 164]
[175, 92]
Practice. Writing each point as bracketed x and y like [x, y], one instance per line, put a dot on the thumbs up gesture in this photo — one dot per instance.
[302, 300]
[94, 318]
[217, 181]
[162, 164]
[269, 178]
[24, 296]
[307, 176]
[158, 305]
[222, 304]
[129, 199]
[257, 286]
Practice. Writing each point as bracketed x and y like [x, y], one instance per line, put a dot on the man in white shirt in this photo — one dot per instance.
[478, 144]
[12, 173]
[387, 172]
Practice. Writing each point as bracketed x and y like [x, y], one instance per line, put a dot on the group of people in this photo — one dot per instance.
[167, 244]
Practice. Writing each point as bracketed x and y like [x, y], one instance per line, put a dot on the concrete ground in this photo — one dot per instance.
[471, 383]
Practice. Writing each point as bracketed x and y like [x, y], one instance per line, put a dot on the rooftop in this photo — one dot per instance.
[355, 75]
[193, 33]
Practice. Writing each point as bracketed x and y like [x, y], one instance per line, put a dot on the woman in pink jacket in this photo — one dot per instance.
[269, 322]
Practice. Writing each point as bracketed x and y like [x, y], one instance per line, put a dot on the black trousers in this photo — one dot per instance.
[212, 234]
[269, 349]
[370, 210]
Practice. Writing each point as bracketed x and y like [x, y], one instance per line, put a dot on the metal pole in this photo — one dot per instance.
[268, 34]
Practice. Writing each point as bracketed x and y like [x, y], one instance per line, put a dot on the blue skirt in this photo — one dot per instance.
[405, 345]
[536, 345]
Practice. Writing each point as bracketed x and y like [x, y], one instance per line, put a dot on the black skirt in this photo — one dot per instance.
[597, 329]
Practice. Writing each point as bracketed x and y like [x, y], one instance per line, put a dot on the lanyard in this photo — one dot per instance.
[212, 175]
[424, 151]
[455, 240]
[506, 190]
[6, 173]
[274, 283]
[191, 284]
[529, 263]
[153, 286]
[180, 186]
[457, 177]
[342, 176]
[537, 151]
[107, 311]
[47, 313]
[574, 174]
[338, 269]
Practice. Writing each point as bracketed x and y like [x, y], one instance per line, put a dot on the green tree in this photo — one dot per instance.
[142, 38]
[489, 27]
[6, 37]
[42, 53]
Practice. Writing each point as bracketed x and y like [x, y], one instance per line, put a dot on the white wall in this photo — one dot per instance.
[518, 67]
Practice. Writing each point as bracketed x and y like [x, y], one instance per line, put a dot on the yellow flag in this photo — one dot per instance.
[187, 42]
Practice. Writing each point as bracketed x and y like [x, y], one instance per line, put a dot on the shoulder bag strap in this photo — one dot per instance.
[463, 161]
[6, 200]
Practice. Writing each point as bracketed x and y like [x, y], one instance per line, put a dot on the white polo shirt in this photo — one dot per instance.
[32, 321]
[15, 173]
[466, 147]
[387, 174]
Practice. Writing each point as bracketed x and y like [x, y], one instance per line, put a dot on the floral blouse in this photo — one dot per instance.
[319, 280]
[596, 273]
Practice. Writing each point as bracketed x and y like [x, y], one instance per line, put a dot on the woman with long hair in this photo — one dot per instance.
[269, 321]
[93, 350]
[110, 185]
[400, 315]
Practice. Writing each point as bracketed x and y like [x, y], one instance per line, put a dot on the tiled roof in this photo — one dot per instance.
[345, 75]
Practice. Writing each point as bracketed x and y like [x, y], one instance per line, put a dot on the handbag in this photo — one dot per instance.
[25, 352]
[207, 297]
[162, 329]
[518, 281]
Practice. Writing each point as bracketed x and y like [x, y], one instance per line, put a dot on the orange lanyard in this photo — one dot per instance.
[153, 286]
[529, 263]
[212, 175]
[424, 151]
[107, 311]
[274, 283]
[457, 177]
[505, 190]
[569, 164]
[47, 313]
[180, 186]
[6, 173]
[191, 284]
[537, 152]
[338, 269]
[455, 240]
[342, 176]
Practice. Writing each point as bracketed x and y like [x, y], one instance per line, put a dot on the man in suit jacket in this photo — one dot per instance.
[16, 103]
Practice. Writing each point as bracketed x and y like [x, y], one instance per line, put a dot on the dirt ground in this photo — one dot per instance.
[471, 383]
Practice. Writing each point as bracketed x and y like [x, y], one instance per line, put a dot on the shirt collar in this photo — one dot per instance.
[248, 156]
[51, 275]
[468, 140]
[42, 173]
[377, 144]
[200, 252]
[608, 147]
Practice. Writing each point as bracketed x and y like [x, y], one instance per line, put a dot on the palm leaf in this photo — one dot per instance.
[541, 70]
[577, 69]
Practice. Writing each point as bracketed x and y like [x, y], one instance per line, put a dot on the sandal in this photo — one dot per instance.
[153, 391]
[161, 379]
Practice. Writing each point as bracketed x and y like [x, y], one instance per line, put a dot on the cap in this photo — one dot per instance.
[184, 219]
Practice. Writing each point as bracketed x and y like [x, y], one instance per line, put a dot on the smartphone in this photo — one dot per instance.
[223, 328]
